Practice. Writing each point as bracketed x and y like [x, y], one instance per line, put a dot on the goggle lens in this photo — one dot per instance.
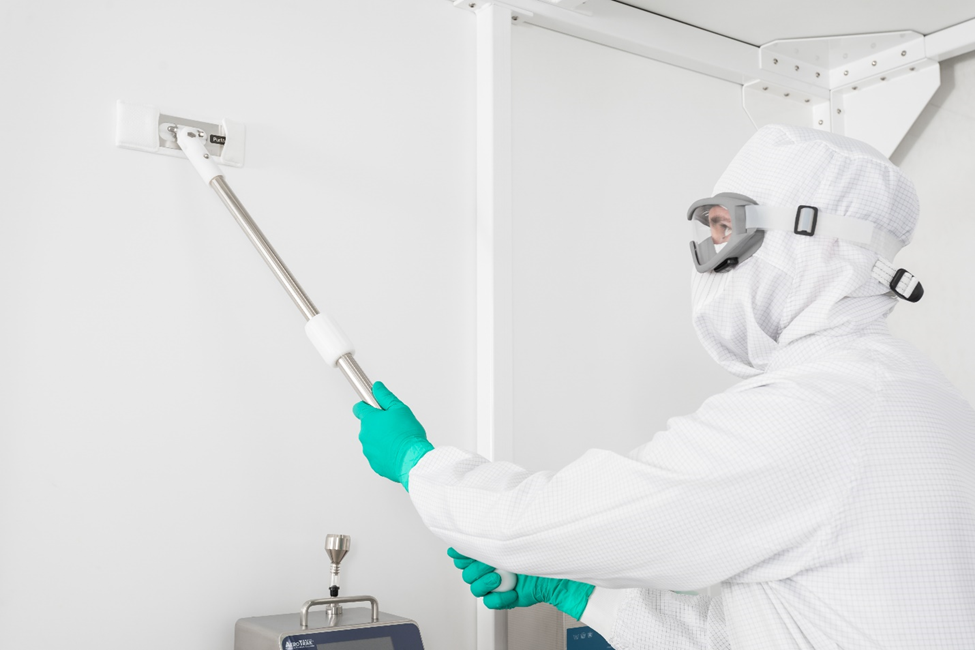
[712, 222]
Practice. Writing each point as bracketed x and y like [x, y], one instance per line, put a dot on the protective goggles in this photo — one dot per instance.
[728, 228]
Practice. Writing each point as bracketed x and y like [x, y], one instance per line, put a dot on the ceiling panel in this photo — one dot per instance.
[761, 21]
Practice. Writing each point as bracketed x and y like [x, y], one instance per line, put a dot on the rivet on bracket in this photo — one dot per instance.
[806, 100]
[838, 111]
[797, 68]
[873, 63]
[846, 73]
[775, 62]
[883, 78]
[820, 122]
[855, 87]
[903, 52]
[817, 75]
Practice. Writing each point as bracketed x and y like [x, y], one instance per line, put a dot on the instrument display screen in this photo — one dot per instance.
[395, 636]
[379, 643]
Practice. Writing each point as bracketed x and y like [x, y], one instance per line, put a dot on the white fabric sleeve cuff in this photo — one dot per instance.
[603, 609]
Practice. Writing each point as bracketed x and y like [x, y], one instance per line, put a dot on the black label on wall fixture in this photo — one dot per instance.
[218, 139]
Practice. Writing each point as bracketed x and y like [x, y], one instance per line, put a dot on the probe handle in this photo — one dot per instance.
[508, 580]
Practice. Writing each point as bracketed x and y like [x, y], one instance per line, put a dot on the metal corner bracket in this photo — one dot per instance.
[871, 87]
[518, 15]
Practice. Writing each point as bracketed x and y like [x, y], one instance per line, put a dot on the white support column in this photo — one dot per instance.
[494, 288]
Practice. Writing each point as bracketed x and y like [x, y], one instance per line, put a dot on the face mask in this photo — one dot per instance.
[723, 318]
[705, 287]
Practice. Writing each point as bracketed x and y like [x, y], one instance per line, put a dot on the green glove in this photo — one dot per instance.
[568, 596]
[392, 439]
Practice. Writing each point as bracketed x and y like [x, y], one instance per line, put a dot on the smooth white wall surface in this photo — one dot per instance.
[938, 154]
[609, 149]
[172, 449]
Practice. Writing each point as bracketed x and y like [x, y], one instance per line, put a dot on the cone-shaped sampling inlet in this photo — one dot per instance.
[337, 546]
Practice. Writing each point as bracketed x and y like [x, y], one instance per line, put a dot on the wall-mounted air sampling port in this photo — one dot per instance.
[144, 128]
[213, 136]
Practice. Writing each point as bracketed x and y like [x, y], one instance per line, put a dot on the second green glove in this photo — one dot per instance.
[568, 596]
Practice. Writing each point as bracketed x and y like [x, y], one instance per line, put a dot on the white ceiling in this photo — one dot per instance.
[761, 21]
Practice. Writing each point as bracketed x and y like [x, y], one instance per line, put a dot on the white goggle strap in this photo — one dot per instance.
[808, 221]
[900, 281]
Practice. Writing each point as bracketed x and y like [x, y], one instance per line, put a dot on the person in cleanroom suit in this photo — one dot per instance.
[831, 492]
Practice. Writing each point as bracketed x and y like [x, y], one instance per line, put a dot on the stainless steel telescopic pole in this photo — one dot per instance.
[346, 363]
[263, 246]
[325, 334]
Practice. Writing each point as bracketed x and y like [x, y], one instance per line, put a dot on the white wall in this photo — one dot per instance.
[610, 149]
[938, 154]
[172, 450]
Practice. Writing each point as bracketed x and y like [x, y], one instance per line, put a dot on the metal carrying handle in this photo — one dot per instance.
[341, 600]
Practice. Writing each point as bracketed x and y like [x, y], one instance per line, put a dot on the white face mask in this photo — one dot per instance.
[705, 287]
[723, 315]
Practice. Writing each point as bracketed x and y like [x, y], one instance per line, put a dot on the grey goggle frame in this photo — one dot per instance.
[740, 246]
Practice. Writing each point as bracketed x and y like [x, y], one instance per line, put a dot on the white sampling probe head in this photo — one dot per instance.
[191, 140]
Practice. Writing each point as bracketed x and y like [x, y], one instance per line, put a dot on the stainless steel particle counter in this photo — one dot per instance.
[335, 627]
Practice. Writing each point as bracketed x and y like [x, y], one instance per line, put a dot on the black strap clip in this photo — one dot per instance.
[807, 215]
[918, 289]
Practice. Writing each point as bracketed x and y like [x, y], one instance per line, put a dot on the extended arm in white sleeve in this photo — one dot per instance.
[718, 492]
[632, 619]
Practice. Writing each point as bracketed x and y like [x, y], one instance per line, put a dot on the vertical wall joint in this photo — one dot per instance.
[494, 259]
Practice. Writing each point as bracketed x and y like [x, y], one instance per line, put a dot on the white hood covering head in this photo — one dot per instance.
[795, 290]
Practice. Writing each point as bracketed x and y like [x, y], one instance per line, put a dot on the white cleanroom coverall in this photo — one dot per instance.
[831, 492]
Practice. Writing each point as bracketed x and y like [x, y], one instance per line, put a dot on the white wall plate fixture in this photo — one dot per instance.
[143, 128]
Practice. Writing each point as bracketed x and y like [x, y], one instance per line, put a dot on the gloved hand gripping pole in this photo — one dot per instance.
[331, 342]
